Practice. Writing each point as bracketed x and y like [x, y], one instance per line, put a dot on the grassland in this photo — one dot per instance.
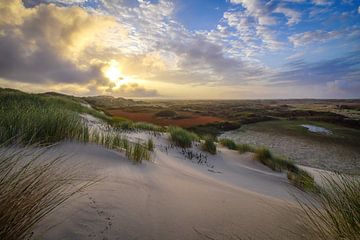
[49, 118]
[339, 134]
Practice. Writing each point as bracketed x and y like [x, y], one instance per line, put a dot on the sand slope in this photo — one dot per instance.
[174, 198]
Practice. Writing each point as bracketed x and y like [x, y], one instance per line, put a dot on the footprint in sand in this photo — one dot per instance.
[104, 215]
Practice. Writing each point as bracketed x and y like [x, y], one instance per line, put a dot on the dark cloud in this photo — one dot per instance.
[41, 65]
[38, 45]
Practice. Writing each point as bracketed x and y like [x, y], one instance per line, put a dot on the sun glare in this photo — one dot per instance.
[113, 72]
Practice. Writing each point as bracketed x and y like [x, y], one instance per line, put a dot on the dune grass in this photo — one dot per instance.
[150, 145]
[137, 152]
[334, 213]
[47, 119]
[127, 125]
[208, 145]
[243, 148]
[182, 138]
[298, 177]
[41, 118]
[31, 188]
[230, 144]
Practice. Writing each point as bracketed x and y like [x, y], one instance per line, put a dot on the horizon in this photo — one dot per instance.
[183, 50]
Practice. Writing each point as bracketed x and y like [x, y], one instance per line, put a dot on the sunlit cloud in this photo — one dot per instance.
[143, 48]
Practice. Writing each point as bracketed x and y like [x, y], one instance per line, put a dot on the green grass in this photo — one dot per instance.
[137, 152]
[243, 148]
[334, 213]
[230, 144]
[47, 119]
[298, 177]
[302, 180]
[182, 138]
[340, 134]
[31, 188]
[131, 126]
[35, 119]
[150, 145]
[208, 145]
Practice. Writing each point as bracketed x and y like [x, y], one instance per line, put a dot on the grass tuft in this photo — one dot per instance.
[244, 148]
[182, 138]
[31, 188]
[230, 144]
[137, 152]
[334, 213]
[150, 145]
[209, 145]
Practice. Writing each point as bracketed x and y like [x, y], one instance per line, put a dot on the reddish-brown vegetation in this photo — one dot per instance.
[188, 119]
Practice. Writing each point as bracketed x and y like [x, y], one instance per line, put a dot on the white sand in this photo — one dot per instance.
[174, 198]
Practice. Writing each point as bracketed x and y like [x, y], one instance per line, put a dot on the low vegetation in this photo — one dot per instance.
[334, 213]
[128, 125]
[298, 177]
[230, 144]
[208, 145]
[32, 186]
[42, 119]
[47, 119]
[137, 152]
[243, 148]
[182, 138]
[150, 145]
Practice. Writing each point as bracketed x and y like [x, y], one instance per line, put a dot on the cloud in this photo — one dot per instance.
[344, 69]
[46, 44]
[293, 16]
[321, 36]
[133, 90]
[323, 2]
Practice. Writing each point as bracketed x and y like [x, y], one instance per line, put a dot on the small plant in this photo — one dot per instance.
[302, 180]
[209, 145]
[243, 148]
[181, 137]
[334, 213]
[137, 152]
[230, 144]
[263, 154]
[150, 145]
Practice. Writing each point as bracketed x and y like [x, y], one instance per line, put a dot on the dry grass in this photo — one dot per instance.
[31, 187]
[334, 213]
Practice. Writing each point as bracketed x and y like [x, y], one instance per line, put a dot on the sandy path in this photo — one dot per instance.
[173, 198]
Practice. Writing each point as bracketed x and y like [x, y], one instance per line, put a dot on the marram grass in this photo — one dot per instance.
[32, 186]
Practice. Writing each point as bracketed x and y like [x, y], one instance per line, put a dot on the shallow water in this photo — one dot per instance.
[316, 129]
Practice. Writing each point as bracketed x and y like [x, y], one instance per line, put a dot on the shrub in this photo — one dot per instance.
[181, 137]
[230, 144]
[263, 154]
[209, 145]
[334, 213]
[243, 148]
[31, 188]
[166, 114]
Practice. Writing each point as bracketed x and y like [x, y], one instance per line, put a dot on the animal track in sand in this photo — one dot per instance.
[107, 218]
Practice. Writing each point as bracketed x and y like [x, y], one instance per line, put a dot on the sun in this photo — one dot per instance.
[112, 72]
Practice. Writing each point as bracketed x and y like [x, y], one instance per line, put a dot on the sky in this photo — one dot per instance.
[182, 49]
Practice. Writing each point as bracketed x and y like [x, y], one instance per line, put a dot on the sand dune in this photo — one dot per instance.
[174, 198]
